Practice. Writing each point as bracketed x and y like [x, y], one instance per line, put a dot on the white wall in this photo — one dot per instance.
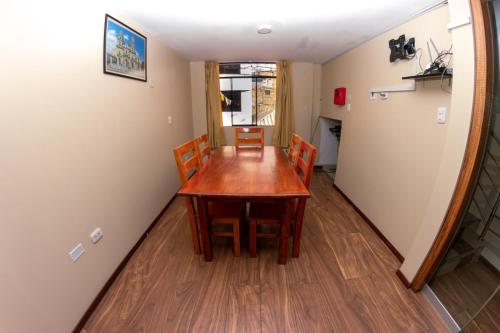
[79, 149]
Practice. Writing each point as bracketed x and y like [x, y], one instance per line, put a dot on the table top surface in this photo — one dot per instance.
[246, 173]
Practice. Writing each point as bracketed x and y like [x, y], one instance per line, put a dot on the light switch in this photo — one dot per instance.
[169, 120]
[441, 115]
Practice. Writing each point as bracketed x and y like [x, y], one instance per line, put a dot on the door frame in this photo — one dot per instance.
[476, 144]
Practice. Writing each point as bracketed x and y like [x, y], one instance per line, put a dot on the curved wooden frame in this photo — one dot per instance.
[478, 134]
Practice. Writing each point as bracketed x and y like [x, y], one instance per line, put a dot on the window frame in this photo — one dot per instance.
[255, 79]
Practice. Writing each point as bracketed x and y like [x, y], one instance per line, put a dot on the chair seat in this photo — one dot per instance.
[222, 214]
[270, 210]
[224, 209]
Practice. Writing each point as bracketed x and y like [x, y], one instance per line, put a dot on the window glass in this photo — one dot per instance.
[248, 93]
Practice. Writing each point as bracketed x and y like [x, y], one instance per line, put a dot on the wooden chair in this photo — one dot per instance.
[293, 149]
[305, 162]
[243, 140]
[203, 148]
[189, 162]
[265, 213]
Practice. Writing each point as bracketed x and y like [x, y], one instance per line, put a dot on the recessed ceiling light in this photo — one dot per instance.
[264, 29]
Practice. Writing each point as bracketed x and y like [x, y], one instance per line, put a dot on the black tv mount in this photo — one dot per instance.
[401, 49]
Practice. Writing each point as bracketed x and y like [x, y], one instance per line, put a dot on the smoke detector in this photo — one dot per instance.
[264, 29]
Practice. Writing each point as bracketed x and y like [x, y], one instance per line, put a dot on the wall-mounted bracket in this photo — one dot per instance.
[382, 92]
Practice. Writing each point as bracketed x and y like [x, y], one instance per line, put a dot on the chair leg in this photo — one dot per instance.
[252, 241]
[236, 237]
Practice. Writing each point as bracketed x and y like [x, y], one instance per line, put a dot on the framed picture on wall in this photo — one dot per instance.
[124, 50]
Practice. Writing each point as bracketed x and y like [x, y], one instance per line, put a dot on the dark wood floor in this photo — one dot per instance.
[488, 320]
[464, 290]
[344, 281]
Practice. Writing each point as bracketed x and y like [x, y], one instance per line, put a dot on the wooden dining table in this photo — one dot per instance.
[250, 175]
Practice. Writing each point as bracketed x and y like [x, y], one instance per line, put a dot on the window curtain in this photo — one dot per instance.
[215, 129]
[283, 124]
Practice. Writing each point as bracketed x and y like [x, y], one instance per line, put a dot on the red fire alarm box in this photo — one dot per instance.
[339, 96]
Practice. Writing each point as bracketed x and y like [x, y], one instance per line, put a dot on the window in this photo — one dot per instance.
[248, 93]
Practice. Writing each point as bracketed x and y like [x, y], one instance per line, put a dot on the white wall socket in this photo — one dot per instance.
[441, 115]
[96, 235]
[169, 120]
[76, 252]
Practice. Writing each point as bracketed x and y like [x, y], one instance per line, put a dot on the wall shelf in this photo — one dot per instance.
[431, 76]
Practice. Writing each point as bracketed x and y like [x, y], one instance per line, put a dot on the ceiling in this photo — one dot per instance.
[305, 30]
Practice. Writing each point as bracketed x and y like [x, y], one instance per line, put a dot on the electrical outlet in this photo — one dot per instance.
[96, 235]
[441, 115]
[76, 252]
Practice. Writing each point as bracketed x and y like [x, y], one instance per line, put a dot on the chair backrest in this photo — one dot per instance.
[242, 139]
[188, 160]
[203, 148]
[305, 162]
[293, 149]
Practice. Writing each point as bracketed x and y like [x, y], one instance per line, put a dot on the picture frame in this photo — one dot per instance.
[124, 51]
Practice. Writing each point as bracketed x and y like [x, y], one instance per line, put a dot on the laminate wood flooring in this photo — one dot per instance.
[344, 281]
[464, 290]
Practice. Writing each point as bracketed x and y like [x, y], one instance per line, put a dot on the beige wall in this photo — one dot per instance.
[198, 100]
[391, 151]
[303, 89]
[303, 97]
[454, 146]
[316, 110]
[79, 149]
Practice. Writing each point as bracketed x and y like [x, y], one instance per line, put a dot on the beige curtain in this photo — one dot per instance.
[283, 125]
[216, 134]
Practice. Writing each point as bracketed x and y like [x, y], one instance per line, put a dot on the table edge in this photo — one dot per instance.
[248, 195]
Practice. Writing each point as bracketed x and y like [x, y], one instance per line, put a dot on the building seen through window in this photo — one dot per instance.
[248, 93]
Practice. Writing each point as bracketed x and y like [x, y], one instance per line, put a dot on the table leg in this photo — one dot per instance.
[284, 233]
[298, 227]
[193, 224]
[202, 220]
